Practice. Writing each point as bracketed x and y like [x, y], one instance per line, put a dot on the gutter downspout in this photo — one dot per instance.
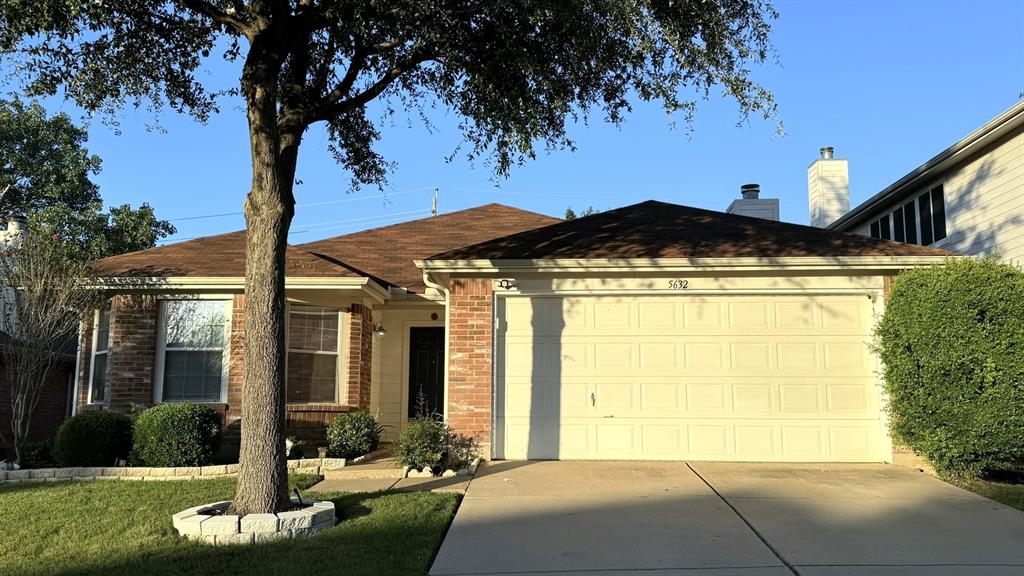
[430, 283]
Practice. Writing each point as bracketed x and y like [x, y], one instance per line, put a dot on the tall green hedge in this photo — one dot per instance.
[951, 343]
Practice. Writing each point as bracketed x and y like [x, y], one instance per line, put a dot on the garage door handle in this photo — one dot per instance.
[593, 399]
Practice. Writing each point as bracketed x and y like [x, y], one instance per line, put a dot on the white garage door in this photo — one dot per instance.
[774, 378]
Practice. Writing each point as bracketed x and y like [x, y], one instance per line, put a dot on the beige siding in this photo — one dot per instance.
[391, 364]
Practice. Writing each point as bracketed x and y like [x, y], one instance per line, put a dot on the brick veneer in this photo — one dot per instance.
[132, 356]
[471, 321]
[236, 371]
[359, 357]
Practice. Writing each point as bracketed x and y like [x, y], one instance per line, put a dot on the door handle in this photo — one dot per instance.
[593, 399]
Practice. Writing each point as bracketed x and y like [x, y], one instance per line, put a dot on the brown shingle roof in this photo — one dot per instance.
[661, 230]
[212, 256]
[388, 253]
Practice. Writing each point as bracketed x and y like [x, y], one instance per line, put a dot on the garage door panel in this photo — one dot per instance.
[780, 378]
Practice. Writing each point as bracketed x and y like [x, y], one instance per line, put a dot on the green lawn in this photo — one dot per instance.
[117, 527]
[1009, 493]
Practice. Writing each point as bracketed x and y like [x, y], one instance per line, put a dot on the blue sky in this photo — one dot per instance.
[888, 84]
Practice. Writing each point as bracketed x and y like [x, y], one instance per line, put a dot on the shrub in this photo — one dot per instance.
[422, 443]
[952, 348]
[353, 434]
[37, 455]
[93, 439]
[184, 434]
[461, 450]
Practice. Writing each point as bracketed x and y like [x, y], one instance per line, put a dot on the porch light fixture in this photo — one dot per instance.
[507, 283]
[378, 329]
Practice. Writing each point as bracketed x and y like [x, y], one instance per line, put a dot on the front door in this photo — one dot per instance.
[426, 372]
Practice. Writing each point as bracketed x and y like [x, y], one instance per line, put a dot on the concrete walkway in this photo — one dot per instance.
[644, 518]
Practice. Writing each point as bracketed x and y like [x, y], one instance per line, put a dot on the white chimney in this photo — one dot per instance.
[750, 204]
[828, 188]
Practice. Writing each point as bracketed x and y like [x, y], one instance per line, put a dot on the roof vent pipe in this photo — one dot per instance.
[750, 191]
[826, 153]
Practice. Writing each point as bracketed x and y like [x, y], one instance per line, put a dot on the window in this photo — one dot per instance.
[192, 354]
[897, 226]
[883, 223]
[938, 213]
[910, 222]
[875, 230]
[924, 206]
[312, 354]
[98, 368]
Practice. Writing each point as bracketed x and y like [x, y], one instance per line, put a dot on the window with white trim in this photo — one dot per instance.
[922, 218]
[98, 365]
[192, 352]
[313, 363]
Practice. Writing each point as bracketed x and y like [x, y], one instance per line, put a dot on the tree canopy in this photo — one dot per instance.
[46, 174]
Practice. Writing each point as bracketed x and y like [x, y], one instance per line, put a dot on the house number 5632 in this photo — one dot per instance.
[678, 284]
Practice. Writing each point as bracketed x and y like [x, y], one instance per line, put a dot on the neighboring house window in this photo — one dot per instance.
[903, 224]
[312, 354]
[98, 367]
[192, 350]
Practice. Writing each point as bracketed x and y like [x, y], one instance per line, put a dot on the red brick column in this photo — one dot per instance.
[133, 325]
[470, 333]
[360, 352]
[236, 371]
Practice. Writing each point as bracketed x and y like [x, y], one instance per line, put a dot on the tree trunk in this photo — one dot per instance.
[263, 477]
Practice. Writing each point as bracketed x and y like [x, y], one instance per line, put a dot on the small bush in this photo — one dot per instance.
[37, 455]
[952, 348]
[184, 434]
[353, 434]
[422, 444]
[461, 450]
[93, 439]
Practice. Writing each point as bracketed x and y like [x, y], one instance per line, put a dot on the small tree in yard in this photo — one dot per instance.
[516, 72]
[952, 348]
[46, 291]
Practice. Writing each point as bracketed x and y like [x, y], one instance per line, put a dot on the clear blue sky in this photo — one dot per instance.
[888, 84]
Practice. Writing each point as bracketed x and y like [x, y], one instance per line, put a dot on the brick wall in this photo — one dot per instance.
[49, 413]
[359, 357]
[471, 318]
[236, 372]
[133, 326]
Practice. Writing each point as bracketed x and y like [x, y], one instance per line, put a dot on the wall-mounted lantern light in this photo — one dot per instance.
[378, 329]
[507, 283]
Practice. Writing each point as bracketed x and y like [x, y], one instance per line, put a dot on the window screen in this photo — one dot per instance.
[312, 354]
[938, 213]
[910, 223]
[925, 209]
[99, 357]
[883, 224]
[195, 337]
[897, 226]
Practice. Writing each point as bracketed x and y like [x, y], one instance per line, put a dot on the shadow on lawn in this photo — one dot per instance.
[377, 533]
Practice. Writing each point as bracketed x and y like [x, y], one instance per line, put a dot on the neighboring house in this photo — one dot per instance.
[55, 403]
[654, 331]
[968, 199]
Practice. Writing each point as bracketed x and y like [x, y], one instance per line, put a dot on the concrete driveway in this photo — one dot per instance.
[704, 519]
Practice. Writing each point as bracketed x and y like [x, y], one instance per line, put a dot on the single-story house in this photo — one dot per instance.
[654, 331]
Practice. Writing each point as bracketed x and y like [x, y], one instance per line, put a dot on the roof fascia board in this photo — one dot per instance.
[630, 265]
[979, 139]
[231, 282]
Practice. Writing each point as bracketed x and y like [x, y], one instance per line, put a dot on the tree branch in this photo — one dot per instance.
[232, 19]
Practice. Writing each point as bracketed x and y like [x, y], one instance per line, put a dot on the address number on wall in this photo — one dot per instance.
[678, 284]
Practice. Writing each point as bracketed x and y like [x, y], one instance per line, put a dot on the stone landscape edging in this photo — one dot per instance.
[197, 523]
[137, 473]
[410, 472]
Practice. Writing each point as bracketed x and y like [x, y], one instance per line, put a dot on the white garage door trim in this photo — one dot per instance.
[879, 447]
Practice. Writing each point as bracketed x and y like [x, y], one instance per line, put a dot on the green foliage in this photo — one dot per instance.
[422, 443]
[460, 450]
[353, 434]
[570, 214]
[518, 73]
[45, 174]
[952, 347]
[96, 438]
[180, 434]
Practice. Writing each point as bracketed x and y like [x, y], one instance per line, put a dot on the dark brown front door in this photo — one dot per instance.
[426, 372]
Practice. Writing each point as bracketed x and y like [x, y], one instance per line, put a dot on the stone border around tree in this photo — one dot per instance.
[197, 523]
[302, 466]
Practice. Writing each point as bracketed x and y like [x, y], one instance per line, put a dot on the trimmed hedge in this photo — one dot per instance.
[181, 434]
[952, 348]
[93, 439]
[353, 434]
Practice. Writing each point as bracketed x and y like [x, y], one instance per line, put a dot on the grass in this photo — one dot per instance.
[116, 527]
[1005, 488]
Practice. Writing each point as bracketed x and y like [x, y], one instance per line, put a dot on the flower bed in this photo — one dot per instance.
[208, 523]
[303, 466]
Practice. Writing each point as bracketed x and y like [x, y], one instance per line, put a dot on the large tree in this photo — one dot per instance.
[516, 71]
[46, 174]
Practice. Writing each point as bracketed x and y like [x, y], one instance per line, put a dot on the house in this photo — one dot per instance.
[968, 199]
[654, 331]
